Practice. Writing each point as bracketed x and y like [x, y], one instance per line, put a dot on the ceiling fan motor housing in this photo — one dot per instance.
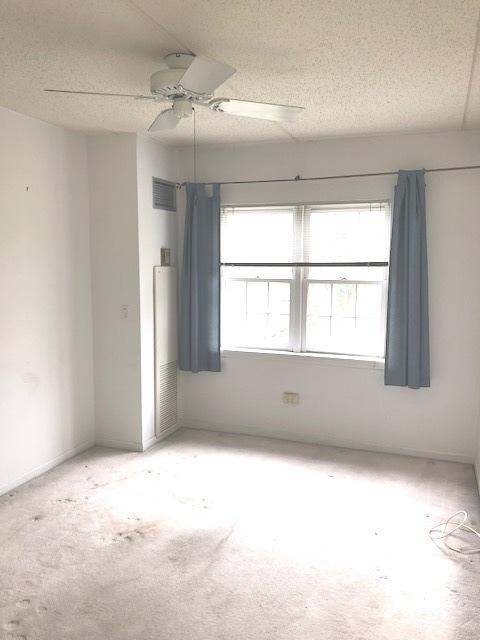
[179, 60]
[167, 81]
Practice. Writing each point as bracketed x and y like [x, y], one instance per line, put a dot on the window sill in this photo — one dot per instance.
[355, 362]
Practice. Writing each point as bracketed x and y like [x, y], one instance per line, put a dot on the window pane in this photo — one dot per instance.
[369, 300]
[370, 336]
[256, 333]
[278, 331]
[250, 234]
[234, 297]
[343, 335]
[279, 298]
[349, 233]
[256, 314]
[344, 300]
[355, 323]
[257, 297]
[318, 334]
[319, 302]
[234, 311]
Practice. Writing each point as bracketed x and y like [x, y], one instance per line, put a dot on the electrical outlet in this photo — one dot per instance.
[290, 397]
[123, 311]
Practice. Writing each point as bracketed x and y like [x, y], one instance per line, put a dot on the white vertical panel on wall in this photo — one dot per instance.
[165, 349]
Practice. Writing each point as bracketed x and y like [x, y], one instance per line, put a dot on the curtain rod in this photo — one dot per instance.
[349, 175]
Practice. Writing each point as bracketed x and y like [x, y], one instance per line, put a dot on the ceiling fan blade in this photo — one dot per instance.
[262, 110]
[205, 75]
[165, 120]
[96, 93]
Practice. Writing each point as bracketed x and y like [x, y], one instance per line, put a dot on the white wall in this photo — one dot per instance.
[156, 229]
[477, 459]
[115, 283]
[342, 403]
[477, 466]
[46, 377]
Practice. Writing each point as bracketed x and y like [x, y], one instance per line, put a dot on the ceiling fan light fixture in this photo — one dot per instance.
[182, 108]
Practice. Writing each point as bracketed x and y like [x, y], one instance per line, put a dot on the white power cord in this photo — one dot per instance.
[444, 530]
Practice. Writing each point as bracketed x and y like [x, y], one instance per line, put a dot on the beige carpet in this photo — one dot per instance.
[210, 536]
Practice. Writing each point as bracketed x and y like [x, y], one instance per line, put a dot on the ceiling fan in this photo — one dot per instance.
[186, 81]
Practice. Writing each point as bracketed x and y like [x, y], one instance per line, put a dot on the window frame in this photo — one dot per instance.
[300, 283]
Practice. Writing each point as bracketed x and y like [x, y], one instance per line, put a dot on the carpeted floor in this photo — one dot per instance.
[210, 536]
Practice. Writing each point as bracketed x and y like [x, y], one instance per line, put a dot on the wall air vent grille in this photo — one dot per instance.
[164, 195]
[166, 397]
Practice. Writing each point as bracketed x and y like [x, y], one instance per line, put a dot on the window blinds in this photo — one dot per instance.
[306, 235]
[257, 235]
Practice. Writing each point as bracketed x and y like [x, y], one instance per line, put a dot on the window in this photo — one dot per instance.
[305, 278]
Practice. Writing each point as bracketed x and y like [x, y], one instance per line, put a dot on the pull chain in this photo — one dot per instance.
[194, 145]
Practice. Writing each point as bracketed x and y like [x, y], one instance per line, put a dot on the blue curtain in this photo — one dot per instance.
[407, 357]
[200, 283]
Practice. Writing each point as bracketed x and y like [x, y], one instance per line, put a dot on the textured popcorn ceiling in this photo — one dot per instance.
[374, 66]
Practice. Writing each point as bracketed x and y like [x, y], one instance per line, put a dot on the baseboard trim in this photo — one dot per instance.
[46, 466]
[327, 441]
[151, 441]
[126, 445]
